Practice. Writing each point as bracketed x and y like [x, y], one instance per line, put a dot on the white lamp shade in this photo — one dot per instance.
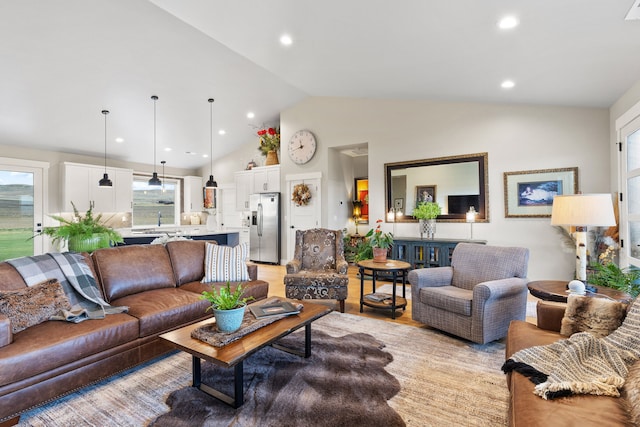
[583, 210]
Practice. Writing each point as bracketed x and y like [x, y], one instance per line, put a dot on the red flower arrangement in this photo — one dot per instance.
[269, 140]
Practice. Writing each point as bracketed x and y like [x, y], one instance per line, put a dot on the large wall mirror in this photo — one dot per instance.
[456, 183]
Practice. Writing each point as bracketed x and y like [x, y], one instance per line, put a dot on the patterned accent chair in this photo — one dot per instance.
[476, 298]
[318, 269]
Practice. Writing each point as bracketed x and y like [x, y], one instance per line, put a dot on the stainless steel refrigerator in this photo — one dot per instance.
[264, 232]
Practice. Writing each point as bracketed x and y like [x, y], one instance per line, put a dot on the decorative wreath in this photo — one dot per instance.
[301, 195]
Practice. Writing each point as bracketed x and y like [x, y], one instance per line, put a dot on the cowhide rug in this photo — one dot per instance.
[343, 383]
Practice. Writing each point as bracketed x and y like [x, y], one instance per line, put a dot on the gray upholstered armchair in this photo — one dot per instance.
[318, 269]
[476, 298]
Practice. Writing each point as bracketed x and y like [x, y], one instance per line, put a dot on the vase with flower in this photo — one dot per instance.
[269, 144]
[380, 242]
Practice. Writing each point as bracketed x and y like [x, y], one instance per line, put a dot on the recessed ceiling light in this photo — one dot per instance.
[250, 115]
[508, 22]
[119, 140]
[286, 40]
[205, 155]
[507, 84]
[167, 149]
[222, 132]
[191, 153]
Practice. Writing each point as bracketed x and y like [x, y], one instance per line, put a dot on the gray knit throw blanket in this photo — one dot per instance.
[582, 364]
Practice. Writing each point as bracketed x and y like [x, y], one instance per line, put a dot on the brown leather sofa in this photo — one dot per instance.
[160, 285]
[527, 409]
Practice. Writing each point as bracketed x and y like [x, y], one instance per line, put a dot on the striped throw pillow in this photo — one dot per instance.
[224, 263]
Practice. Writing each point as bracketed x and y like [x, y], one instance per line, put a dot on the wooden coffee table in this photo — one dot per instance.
[233, 355]
[556, 290]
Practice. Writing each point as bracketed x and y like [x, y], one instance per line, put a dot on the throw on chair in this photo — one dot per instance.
[318, 269]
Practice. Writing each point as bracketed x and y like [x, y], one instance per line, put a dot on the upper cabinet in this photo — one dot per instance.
[261, 179]
[193, 201]
[80, 186]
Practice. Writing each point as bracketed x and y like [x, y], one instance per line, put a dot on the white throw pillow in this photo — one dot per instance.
[224, 263]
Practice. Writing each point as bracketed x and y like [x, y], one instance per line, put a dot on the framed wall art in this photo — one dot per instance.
[529, 194]
[361, 193]
[425, 193]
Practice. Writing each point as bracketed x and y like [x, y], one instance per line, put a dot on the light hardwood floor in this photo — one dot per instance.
[274, 274]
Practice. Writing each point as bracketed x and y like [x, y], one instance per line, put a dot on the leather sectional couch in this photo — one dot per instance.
[160, 285]
[528, 410]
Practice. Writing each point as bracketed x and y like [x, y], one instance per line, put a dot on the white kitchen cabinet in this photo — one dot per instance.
[244, 187]
[193, 198]
[266, 179]
[80, 186]
[261, 179]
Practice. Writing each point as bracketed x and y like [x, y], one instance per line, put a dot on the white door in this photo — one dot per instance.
[302, 217]
[630, 185]
[21, 208]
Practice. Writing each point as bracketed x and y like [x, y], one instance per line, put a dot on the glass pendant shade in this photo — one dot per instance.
[105, 181]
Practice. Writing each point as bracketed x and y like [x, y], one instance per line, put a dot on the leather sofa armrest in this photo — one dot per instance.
[293, 266]
[6, 337]
[252, 269]
[550, 315]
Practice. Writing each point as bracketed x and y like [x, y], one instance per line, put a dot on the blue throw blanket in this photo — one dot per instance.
[76, 279]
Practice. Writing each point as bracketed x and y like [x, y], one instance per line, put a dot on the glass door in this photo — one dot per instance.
[630, 207]
[21, 210]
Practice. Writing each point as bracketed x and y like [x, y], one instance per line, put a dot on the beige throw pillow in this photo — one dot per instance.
[34, 304]
[599, 316]
[225, 264]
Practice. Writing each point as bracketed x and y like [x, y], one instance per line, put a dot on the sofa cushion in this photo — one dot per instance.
[449, 298]
[598, 316]
[187, 259]
[10, 279]
[224, 263]
[160, 310]
[50, 345]
[34, 304]
[127, 270]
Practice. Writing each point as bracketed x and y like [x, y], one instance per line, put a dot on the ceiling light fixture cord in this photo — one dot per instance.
[211, 183]
[154, 178]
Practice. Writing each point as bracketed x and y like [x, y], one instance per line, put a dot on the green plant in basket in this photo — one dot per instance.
[224, 299]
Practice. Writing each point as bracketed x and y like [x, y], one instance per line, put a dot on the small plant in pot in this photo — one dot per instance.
[82, 233]
[427, 213]
[228, 307]
[380, 242]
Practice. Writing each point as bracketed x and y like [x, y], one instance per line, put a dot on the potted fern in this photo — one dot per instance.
[228, 307]
[426, 213]
[82, 233]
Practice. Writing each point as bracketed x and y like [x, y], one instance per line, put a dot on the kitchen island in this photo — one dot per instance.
[147, 235]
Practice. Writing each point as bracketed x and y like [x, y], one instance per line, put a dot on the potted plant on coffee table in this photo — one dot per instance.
[427, 212]
[82, 233]
[228, 307]
[380, 242]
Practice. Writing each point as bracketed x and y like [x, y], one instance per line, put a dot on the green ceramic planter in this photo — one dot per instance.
[90, 244]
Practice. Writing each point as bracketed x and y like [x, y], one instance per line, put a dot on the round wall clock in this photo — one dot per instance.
[302, 147]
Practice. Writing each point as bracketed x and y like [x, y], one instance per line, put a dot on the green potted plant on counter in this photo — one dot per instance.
[426, 213]
[82, 233]
[228, 307]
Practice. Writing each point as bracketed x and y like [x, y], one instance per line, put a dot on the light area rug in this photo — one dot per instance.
[444, 381]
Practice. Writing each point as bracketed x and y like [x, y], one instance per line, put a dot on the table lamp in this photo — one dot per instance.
[581, 211]
[357, 212]
[471, 218]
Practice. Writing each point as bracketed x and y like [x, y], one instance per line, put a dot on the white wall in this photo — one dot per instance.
[517, 138]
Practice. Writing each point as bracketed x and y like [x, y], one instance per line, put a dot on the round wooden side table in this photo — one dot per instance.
[556, 290]
[397, 269]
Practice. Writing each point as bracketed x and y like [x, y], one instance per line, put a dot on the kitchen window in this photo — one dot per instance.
[155, 206]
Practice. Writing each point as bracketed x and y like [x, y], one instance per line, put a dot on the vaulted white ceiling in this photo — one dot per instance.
[62, 62]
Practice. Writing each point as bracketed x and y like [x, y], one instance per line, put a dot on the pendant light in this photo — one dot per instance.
[154, 179]
[211, 183]
[105, 181]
